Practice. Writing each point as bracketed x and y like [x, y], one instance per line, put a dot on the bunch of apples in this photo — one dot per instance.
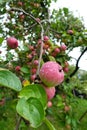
[51, 73]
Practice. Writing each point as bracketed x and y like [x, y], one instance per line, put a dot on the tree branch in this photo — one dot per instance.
[77, 67]
[42, 33]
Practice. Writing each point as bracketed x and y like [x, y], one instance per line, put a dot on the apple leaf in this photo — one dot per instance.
[10, 80]
[31, 110]
[34, 90]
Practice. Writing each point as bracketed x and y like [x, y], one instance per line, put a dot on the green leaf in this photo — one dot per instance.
[25, 69]
[51, 58]
[10, 80]
[1, 40]
[32, 110]
[34, 90]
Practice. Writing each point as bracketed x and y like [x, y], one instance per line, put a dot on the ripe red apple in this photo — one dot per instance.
[70, 32]
[17, 68]
[33, 70]
[66, 69]
[49, 104]
[63, 47]
[12, 42]
[33, 77]
[51, 74]
[46, 38]
[50, 92]
[57, 50]
[35, 62]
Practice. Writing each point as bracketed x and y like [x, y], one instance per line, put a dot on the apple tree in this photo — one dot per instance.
[35, 43]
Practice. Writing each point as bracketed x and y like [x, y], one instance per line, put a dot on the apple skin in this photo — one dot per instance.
[17, 68]
[70, 32]
[50, 92]
[12, 42]
[63, 47]
[66, 69]
[51, 74]
[49, 104]
[46, 38]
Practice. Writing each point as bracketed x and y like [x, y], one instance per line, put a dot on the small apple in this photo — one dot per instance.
[17, 68]
[46, 38]
[20, 3]
[12, 42]
[33, 77]
[33, 70]
[36, 62]
[63, 47]
[50, 92]
[67, 108]
[57, 50]
[70, 32]
[49, 104]
[66, 69]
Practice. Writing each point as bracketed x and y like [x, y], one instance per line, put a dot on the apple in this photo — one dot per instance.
[12, 42]
[33, 70]
[46, 38]
[33, 77]
[70, 32]
[66, 69]
[36, 62]
[49, 104]
[66, 108]
[51, 74]
[17, 68]
[63, 47]
[50, 92]
[57, 50]
[20, 3]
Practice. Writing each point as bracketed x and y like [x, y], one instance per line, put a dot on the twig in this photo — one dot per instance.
[42, 33]
[83, 115]
[77, 67]
[18, 123]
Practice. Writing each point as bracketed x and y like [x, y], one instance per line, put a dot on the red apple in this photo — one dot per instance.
[70, 32]
[17, 68]
[46, 38]
[49, 104]
[57, 50]
[51, 74]
[33, 70]
[33, 77]
[50, 92]
[12, 42]
[66, 69]
[63, 47]
[35, 62]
